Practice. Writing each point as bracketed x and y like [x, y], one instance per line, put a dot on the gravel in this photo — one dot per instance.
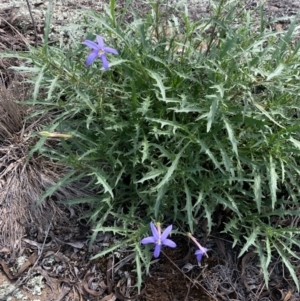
[66, 12]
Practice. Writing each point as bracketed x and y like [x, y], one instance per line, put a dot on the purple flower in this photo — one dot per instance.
[98, 50]
[199, 253]
[201, 250]
[159, 239]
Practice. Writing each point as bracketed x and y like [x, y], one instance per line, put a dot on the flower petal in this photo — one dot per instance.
[92, 56]
[157, 251]
[148, 240]
[91, 44]
[154, 231]
[100, 42]
[168, 242]
[166, 232]
[199, 256]
[110, 50]
[199, 253]
[104, 61]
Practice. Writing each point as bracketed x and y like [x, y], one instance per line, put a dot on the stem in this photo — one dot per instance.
[212, 35]
[33, 23]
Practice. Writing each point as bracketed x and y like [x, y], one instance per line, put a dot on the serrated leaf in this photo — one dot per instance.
[68, 178]
[208, 215]
[164, 123]
[282, 171]
[101, 180]
[86, 99]
[225, 158]
[249, 241]
[150, 175]
[160, 194]
[267, 114]
[226, 203]
[211, 114]
[159, 60]
[287, 263]
[37, 84]
[295, 142]
[231, 136]
[159, 84]
[200, 199]
[171, 169]
[144, 106]
[53, 85]
[189, 207]
[276, 72]
[273, 181]
[47, 23]
[145, 149]
[83, 200]
[257, 191]
[122, 171]
[263, 263]
[205, 148]
[108, 250]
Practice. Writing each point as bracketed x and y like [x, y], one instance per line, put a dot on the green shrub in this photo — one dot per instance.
[192, 117]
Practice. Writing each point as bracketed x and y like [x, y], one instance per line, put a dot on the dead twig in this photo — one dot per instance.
[190, 279]
[21, 282]
[33, 23]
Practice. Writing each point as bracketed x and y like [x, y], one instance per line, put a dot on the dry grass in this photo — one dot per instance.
[22, 183]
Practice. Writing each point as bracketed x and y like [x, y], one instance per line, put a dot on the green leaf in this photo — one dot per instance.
[138, 272]
[160, 194]
[83, 200]
[113, 63]
[264, 261]
[171, 169]
[175, 125]
[189, 207]
[112, 6]
[257, 190]
[287, 263]
[273, 181]
[249, 241]
[267, 114]
[68, 178]
[53, 85]
[205, 148]
[102, 180]
[211, 114]
[109, 250]
[145, 149]
[225, 157]
[150, 175]
[208, 215]
[141, 254]
[276, 72]
[231, 135]
[159, 84]
[226, 203]
[37, 85]
[295, 142]
[48, 22]
[86, 99]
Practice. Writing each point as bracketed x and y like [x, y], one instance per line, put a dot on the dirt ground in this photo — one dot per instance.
[53, 259]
